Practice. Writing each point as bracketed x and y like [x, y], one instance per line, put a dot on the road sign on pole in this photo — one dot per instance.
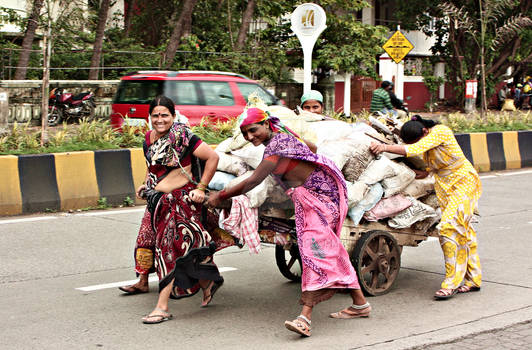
[398, 46]
[308, 22]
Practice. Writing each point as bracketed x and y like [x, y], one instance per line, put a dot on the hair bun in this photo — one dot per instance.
[416, 118]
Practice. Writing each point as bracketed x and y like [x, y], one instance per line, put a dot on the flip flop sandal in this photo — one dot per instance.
[354, 312]
[132, 290]
[467, 289]
[299, 327]
[214, 287]
[445, 295]
[159, 318]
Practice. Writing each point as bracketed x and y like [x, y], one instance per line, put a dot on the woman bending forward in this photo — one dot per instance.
[458, 189]
[318, 191]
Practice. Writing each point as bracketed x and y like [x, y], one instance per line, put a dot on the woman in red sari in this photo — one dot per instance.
[182, 248]
[319, 193]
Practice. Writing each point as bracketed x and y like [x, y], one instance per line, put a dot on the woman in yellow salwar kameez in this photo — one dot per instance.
[458, 189]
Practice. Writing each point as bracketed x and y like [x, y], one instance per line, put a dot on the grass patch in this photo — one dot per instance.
[97, 134]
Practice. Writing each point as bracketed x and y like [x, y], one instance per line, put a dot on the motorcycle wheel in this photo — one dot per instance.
[55, 117]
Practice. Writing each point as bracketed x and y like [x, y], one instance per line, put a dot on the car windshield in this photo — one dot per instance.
[247, 89]
[138, 91]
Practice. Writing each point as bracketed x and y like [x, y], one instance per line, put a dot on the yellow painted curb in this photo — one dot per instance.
[510, 144]
[76, 179]
[10, 195]
[138, 169]
[479, 151]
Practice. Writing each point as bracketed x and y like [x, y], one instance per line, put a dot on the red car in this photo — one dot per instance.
[197, 94]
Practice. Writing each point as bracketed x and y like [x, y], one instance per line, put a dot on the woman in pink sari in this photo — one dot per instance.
[318, 191]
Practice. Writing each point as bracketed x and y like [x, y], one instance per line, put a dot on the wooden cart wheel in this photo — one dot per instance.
[377, 259]
[289, 262]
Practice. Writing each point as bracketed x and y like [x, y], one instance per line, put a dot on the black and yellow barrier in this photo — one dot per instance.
[497, 150]
[62, 181]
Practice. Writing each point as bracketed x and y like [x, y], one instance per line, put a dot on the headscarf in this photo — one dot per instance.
[312, 95]
[256, 115]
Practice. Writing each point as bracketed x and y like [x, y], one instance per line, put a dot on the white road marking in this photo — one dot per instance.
[39, 218]
[516, 173]
[111, 212]
[126, 283]
[487, 176]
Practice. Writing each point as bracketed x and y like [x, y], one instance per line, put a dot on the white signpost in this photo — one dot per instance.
[308, 22]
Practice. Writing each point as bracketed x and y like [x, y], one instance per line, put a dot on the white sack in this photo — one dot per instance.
[360, 156]
[219, 180]
[250, 154]
[402, 178]
[231, 164]
[355, 192]
[377, 170]
[417, 212]
[420, 187]
[368, 202]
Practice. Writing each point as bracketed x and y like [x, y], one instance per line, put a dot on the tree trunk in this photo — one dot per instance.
[98, 42]
[177, 33]
[244, 27]
[27, 42]
[127, 17]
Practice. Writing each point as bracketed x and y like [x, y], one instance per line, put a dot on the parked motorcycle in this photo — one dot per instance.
[67, 106]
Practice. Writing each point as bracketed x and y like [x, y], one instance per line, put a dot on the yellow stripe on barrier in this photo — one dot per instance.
[138, 169]
[479, 151]
[510, 144]
[76, 179]
[10, 195]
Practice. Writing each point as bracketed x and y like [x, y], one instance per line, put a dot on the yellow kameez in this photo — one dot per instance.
[458, 189]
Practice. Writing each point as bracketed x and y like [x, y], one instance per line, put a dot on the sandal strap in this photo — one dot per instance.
[360, 307]
[305, 319]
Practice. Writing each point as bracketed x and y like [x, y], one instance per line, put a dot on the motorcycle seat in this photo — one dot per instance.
[80, 96]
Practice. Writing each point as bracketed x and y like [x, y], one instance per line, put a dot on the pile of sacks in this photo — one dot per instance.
[380, 188]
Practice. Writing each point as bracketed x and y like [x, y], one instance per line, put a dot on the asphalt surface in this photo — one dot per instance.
[59, 273]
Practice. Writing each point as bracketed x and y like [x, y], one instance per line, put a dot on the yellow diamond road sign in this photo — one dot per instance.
[398, 46]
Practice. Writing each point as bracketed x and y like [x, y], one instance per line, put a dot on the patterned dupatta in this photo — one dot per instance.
[167, 151]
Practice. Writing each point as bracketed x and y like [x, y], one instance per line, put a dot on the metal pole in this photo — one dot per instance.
[46, 84]
[347, 94]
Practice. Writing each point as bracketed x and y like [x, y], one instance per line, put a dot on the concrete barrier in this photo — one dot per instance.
[63, 181]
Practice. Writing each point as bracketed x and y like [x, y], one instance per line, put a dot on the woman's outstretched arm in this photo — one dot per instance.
[264, 169]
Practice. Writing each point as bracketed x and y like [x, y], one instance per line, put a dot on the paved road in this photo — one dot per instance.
[59, 273]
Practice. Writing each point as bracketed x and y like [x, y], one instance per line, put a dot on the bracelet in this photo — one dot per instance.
[385, 148]
[223, 195]
[201, 187]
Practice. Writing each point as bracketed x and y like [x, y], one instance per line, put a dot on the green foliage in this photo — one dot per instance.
[432, 83]
[128, 202]
[214, 133]
[102, 203]
[506, 121]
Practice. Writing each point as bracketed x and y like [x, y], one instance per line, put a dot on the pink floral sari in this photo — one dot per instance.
[321, 207]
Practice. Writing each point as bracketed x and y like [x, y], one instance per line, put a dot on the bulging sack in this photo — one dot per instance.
[387, 207]
[231, 164]
[420, 187]
[368, 202]
[416, 212]
[402, 178]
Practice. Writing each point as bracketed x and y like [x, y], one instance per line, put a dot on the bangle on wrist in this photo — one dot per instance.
[223, 195]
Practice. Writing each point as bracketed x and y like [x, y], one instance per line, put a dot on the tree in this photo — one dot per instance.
[180, 20]
[128, 15]
[98, 41]
[32, 25]
[247, 17]
[474, 36]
